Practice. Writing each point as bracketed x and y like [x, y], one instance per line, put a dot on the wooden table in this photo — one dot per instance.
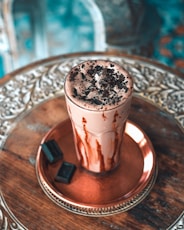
[32, 102]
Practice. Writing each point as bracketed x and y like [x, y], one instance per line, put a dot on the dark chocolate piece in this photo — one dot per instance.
[65, 172]
[52, 151]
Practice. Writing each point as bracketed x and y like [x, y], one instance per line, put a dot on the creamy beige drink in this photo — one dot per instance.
[98, 95]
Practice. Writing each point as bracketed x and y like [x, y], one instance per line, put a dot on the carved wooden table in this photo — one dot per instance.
[32, 102]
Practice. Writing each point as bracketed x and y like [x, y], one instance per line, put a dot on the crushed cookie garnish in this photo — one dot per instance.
[99, 84]
[73, 75]
[75, 92]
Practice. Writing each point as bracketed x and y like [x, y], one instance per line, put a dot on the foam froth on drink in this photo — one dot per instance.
[98, 85]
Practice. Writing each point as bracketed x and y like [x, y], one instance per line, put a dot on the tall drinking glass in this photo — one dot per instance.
[98, 96]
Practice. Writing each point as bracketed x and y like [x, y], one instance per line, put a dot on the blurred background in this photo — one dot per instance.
[35, 29]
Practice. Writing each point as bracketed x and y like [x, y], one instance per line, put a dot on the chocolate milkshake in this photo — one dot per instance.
[98, 96]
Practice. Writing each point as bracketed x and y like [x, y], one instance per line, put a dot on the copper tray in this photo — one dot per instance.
[99, 195]
[158, 108]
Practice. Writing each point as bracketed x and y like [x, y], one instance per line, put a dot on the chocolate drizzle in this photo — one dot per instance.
[104, 116]
[85, 151]
[115, 117]
[100, 156]
[117, 140]
[79, 146]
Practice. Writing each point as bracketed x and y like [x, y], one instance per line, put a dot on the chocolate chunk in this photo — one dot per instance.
[65, 172]
[98, 68]
[122, 77]
[110, 71]
[87, 91]
[105, 93]
[73, 75]
[120, 84]
[96, 101]
[103, 83]
[83, 76]
[126, 89]
[75, 92]
[90, 72]
[52, 151]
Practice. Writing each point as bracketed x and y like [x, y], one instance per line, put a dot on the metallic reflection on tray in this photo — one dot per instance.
[93, 194]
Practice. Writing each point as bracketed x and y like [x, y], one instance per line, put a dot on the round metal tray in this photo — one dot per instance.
[94, 194]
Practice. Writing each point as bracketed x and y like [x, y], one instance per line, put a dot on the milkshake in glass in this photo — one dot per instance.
[98, 96]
